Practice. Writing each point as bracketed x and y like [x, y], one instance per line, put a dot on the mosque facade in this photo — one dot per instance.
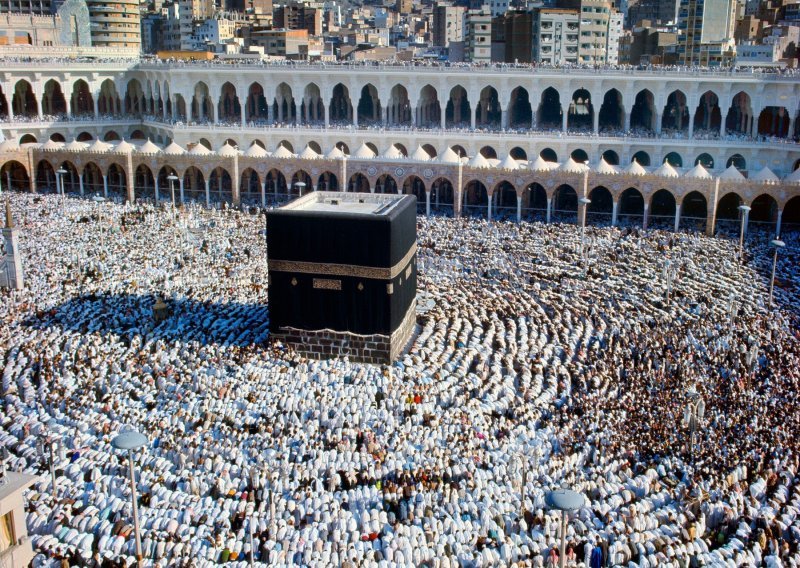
[512, 142]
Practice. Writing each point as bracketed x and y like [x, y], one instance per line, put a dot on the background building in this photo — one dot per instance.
[115, 23]
[555, 38]
[706, 30]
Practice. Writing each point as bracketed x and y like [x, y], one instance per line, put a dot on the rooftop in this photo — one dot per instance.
[352, 203]
[15, 482]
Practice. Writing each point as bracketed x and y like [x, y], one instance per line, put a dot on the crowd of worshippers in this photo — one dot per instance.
[540, 360]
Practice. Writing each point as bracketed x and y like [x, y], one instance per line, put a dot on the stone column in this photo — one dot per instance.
[105, 186]
[658, 123]
[645, 217]
[627, 121]
[596, 122]
[754, 129]
[564, 117]
[549, 208]
[472, 118]
[68, 100]
[519, 208]
[155, 187]
[263, 194]
[503, 118]
[443, 116]
[180, 186]
[778, 224]
[614, 213]
[208, 190]
[677, 217]
[327, 116]
[722, 130]
[691, 125]
[244, 115]
[80, 183]
[489, 207]
[427, 203]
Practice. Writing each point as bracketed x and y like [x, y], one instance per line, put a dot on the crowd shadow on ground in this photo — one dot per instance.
[131, 315]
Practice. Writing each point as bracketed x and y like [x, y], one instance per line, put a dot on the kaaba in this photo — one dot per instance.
[343, 274]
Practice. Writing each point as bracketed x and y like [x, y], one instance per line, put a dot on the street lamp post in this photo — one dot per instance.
[172, 179]
[130, 441]
[60, 184]
[693, 416]
[564, 500]
[745, 209]
[732, 309]
[670, 272]
[300, 187]
[584, 201]
[49, 444]
[252, 550]
[777, 244]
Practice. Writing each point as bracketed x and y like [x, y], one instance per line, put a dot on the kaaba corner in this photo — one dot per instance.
[343, 274]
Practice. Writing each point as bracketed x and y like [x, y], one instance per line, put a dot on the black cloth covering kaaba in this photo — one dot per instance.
[342, 271]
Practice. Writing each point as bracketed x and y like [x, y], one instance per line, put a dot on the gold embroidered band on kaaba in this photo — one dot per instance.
[326, 269]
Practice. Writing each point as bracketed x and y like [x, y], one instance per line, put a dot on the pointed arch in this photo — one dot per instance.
[708, 115]
[250, 187]
[256, 109]
[549, 114]
[108, 101]
[14, 176]
[740, 115]
[328, 181]
[312, 109]
[476, 199]
[220, 186]
[341, 107]
[369, 106]
[612, 112]
[93, 180]
[643, 113]
[53, 101]
[442, 196]
[534, 202]
[520, 111]
[194, 185]
[202, 105]
[581, 111]
[630, 207]
[301, 184]
[764, 211]
[429, 111]
[565, 203]
[134, 98]
[358, 183]
[600, 209]
[504, 201]
[662, 207]
[458, 110]
[675, 116]
[229, 109]
[144, 182]
[399, 107]
[386, 184]
[169, 190]
[284, 106]
[24, 100]
[694, 210]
